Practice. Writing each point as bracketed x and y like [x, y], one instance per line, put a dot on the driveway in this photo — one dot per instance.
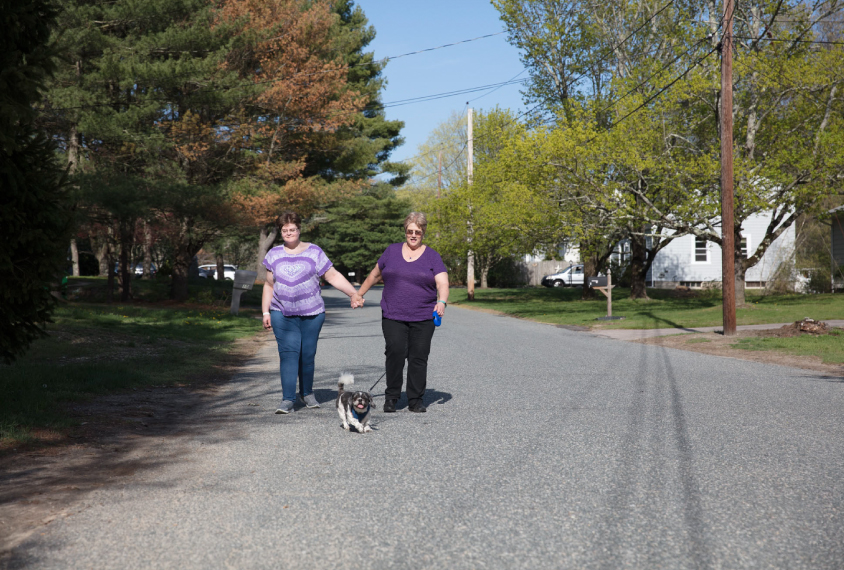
[542, 448]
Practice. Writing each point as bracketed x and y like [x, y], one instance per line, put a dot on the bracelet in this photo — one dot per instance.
[265, 314]
[443, 302]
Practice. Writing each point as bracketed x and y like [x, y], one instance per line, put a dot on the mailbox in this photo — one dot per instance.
[600, 281]
[243, 281]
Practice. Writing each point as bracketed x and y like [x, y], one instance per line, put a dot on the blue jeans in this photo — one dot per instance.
[297, 343]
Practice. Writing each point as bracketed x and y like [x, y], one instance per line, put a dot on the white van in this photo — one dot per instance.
[571, 276]
[211, 271]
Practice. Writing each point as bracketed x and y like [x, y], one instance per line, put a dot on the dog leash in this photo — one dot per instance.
[376, 382]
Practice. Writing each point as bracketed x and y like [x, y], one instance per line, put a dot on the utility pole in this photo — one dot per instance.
[439, 172]
[470, 261]
[728, 262]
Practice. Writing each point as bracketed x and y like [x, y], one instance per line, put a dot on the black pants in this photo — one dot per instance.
[409, 341]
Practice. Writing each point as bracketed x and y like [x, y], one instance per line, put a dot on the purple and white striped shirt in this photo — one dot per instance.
[296, 289]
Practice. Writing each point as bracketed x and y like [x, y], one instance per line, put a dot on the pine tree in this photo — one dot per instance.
[356, 231]
[34, 214]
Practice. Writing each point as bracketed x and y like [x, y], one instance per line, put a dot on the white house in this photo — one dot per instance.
[694, 262]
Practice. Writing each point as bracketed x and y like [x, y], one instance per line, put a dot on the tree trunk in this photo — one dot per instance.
[126, 272]
[74, 257]
[109, 260]
[590, 269]
[72, 162]
[181, 265]
[741, 271]
[221, 274]
[101, 253]
[485, 272]
[265, 242]
[638, 267]
[147, 251]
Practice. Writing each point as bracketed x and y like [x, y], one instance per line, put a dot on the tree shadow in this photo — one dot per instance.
[671, 324]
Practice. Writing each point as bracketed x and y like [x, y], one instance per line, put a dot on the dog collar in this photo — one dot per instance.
[357, 414]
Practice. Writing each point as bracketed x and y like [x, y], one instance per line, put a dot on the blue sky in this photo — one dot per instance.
[403, 27]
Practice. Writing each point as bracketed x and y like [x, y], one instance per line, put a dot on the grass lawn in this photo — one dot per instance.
[97, 348]
[665, 309]
[201, 291]
[829, 347]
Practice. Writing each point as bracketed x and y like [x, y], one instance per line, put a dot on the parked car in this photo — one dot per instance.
[138, 269]
[571, 276]
[211, 271]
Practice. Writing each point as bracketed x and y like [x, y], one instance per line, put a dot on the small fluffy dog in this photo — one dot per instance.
[353, 407]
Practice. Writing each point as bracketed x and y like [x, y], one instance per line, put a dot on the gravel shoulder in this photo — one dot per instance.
[118, 436]
[707, 341]
[717, 344]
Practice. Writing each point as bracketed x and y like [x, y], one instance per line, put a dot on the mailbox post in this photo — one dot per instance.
[605, 286]
[243, 281]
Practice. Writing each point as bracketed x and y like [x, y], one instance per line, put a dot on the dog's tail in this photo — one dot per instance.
[346, 379]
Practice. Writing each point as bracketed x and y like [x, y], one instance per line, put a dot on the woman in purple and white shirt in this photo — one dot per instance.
[415, 285]
[294, 309]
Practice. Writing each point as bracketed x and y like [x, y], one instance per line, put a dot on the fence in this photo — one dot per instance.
[534, 271]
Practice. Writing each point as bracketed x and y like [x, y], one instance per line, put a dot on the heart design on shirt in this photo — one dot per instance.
[293, 270]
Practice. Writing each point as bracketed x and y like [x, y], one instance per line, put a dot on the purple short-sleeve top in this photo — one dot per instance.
[296, 290]
[410, 291]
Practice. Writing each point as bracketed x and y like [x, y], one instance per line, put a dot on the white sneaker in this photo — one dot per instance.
[310, 401]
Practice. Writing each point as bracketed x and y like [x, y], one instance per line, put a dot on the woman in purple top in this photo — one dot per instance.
[294, 309]
[415, 285]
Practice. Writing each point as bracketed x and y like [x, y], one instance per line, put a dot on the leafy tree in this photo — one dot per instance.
[34, 210]
[323, 67]
[500, 212]
[787, 129]
[210, 110]
[356, 231]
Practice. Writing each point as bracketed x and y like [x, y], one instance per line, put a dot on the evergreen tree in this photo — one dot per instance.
[34, 214]
[356, 231]
[360, 149]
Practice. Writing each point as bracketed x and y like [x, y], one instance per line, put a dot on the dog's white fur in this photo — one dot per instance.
[346, 400]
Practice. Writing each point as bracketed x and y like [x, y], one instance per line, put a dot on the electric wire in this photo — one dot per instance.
[295, 75]
[569, 84]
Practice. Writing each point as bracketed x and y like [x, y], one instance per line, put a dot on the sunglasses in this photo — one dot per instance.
[419, 233]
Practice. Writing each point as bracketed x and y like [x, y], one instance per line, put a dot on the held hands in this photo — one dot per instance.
[357, 301]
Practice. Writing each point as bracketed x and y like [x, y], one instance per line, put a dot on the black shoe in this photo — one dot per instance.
[419, 409]
[390, 406]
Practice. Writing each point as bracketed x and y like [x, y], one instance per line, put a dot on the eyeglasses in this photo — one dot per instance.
[290, 231]
[419, 233]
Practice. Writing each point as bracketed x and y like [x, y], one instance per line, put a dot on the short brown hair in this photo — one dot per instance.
[288, 217]
[417, 218]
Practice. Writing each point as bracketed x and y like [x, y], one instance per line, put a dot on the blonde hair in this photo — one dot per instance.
[417, 218]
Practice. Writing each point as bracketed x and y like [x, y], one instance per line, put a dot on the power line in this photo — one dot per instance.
[508, 82]
[667, 87]
[651, 76]
[606, 55]
[795, 41]
[296, 75]
[658, 93]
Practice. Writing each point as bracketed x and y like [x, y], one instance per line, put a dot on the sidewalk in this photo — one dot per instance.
[638, 334]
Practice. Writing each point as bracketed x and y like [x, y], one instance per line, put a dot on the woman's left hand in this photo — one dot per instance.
[440, 308]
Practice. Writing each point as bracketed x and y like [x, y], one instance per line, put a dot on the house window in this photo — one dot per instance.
[743, 245]
[701, 255]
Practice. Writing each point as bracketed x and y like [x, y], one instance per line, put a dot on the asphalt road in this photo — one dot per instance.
[542, 448]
